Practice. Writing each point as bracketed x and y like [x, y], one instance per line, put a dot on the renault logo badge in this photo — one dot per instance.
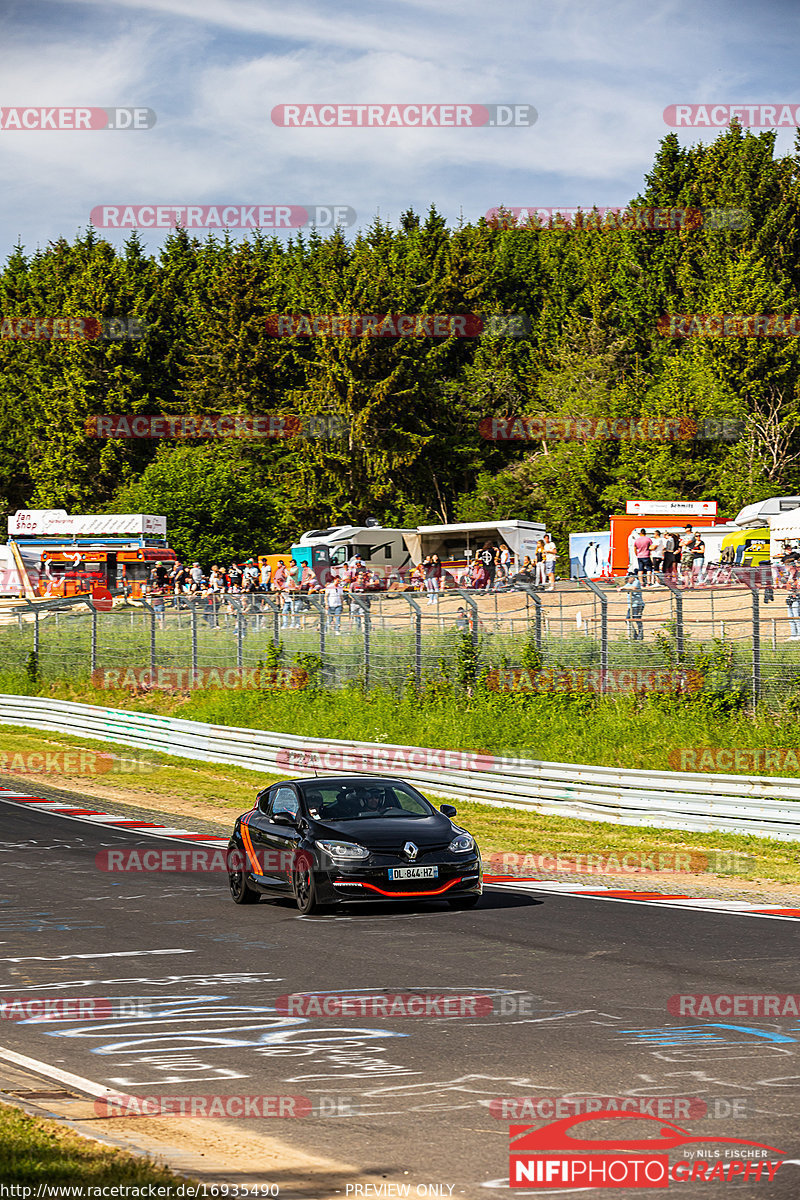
[410, 849]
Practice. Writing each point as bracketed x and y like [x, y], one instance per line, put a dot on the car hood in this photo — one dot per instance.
[375, 832]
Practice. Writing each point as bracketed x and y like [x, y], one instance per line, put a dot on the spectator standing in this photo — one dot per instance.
[540, 565]
[179, 579]
[159, 576]
[698, 560]
[657, 556]
[633, 587]
[641, 548]
[462, 621]
[436, 573]
[235, 576]
[550, 557]
[266, 576]
[334, 602]
[670, 543]
[291, 603]
[430, 586]
[280, 576]
[250, 576]
[793, 601]
[687, 555]
[196, 575]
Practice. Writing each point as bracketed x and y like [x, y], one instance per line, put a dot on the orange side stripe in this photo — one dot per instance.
[251, 854]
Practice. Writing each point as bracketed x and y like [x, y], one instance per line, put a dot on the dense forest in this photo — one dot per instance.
[405, 444]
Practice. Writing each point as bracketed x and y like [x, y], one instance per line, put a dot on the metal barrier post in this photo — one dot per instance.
[417, 637]
[603, 598]
[276, 612]
[319, 605]
[473, 607]
[239, 640]
[36, 635]
[193, 619]
[152, 642]
[756, 646]
[94, 640]
[364, 606]
[528, 589]
[677, 594]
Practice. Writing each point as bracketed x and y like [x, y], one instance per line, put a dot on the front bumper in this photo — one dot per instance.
[345, 883]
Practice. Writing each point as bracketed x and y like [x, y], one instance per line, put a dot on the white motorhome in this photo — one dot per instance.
[383, 551]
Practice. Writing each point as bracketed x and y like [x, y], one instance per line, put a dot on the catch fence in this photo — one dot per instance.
[580, 636]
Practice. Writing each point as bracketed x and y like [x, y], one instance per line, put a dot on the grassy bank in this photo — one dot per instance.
[639, 732]
[216, 793]
[35, 1152]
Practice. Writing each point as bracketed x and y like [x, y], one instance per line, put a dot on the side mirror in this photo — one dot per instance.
[262, 801]
[284, 818]
[448, 809]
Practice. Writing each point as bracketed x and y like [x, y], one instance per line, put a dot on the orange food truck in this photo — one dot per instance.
[60, 555]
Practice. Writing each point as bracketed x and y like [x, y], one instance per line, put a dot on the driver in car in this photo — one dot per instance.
[374, 800]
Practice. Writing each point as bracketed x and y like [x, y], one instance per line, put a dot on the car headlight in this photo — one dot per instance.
[348, 850]
[462, 844]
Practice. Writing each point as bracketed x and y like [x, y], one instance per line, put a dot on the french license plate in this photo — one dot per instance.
[413, 872]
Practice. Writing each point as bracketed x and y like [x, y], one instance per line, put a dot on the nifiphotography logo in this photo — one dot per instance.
[552, 1157]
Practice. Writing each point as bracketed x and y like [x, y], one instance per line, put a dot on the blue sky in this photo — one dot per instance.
[599, 76]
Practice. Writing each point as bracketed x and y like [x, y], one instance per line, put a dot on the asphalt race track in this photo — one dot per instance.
[579, 992]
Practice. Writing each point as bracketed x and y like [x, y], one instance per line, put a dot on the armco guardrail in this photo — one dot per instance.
[764, 806]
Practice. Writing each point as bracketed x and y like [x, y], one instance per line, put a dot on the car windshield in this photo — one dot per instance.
[345, 801]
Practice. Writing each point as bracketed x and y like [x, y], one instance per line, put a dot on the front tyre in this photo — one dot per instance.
[305, 889]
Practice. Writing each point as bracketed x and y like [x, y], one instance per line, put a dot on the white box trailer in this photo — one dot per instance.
[784, 533]
[458, 542]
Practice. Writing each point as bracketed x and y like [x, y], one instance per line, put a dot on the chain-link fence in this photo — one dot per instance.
[579, 636]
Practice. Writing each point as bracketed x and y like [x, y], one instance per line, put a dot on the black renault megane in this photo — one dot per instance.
[333, 840]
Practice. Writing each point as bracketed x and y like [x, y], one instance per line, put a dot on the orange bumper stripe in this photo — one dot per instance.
[410, 895]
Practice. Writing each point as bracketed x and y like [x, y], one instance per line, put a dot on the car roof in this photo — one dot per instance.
[347, 780]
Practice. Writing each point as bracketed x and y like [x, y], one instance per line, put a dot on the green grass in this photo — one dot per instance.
[630, 731]
[35, 1151]
[216, 792]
